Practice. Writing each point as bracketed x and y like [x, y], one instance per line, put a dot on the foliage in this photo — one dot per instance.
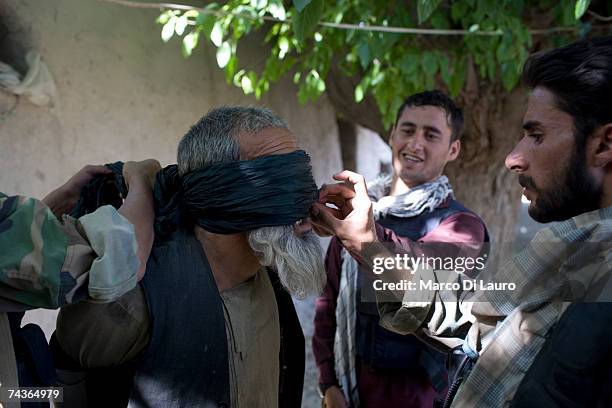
[390, 65]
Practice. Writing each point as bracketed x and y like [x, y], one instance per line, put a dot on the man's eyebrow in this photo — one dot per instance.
[531, 125]
[432, 129]
[428, 128]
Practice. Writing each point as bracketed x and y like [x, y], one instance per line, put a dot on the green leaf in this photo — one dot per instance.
[180, 25]
[430, 63]
[320, 84]
[230, 68]
[444, 63]
[457, 77]
[259, 4]
[224, 52]
[359, 94]
[458, 10]
[191, 14]
[425, 8]
[363, 51]
[504, 51]
[304, 23]
[439, 21]
[277, 10]
[190, 41]
[488, 7]
[168, 29]
[237, 77]
[216, 35]
[566, 13]
[409, 64]
[262, 86]
[164, 17]
[246, 84]
[510, 75]
[283, 47]
[581, 8]
[207, 22]
[300, 5]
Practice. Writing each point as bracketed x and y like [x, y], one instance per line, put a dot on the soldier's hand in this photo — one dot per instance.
[141, 171]
[64, 198]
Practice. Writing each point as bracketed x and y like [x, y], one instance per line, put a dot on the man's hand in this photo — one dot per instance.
[64, 198]
[141, 171]
[352, 221]
[334, 398]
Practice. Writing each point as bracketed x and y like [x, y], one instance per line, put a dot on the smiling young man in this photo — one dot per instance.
[360, 363]
[548, 343]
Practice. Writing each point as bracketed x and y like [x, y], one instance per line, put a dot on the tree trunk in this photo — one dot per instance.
[493, 120]
[348, 144]
[479, 177]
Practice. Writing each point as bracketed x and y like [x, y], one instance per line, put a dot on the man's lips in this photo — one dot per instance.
[528, 185]
[526, 193]
[411, 158]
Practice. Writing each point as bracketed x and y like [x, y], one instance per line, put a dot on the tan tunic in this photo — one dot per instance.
[253, 338]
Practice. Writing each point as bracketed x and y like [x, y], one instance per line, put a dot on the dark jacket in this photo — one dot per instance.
[574, 367]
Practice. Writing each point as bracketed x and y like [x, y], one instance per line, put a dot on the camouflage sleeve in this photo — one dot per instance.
[47, 263]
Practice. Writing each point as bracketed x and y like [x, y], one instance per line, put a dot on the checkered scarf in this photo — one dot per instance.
[569, 261]
[423, 198]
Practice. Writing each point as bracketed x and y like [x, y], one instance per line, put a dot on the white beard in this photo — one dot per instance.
[297, 260]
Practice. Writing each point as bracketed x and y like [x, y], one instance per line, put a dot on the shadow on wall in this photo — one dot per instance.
[15, 41]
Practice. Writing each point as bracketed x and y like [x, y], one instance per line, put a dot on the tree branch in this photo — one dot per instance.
[344, 26]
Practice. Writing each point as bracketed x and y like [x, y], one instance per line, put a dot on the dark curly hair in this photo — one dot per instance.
[580, 77]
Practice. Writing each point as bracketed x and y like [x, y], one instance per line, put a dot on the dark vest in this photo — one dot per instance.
[574, 367]
[186, 361]
[384, 349]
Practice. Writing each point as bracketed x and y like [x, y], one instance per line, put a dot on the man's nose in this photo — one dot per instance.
[415, 143]
[516, 160]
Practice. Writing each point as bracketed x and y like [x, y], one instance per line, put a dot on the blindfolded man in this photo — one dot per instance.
[211, 324]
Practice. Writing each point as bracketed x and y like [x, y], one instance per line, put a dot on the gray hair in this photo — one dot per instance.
[213, 139]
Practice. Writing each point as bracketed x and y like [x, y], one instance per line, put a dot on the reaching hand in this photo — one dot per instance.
[144, 170]
[352, 221]
[64, 198]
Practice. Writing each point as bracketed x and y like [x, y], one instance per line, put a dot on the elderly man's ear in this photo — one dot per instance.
[302, 227]
[602, 146]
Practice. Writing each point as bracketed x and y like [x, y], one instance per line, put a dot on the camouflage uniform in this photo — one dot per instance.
[48, 263]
